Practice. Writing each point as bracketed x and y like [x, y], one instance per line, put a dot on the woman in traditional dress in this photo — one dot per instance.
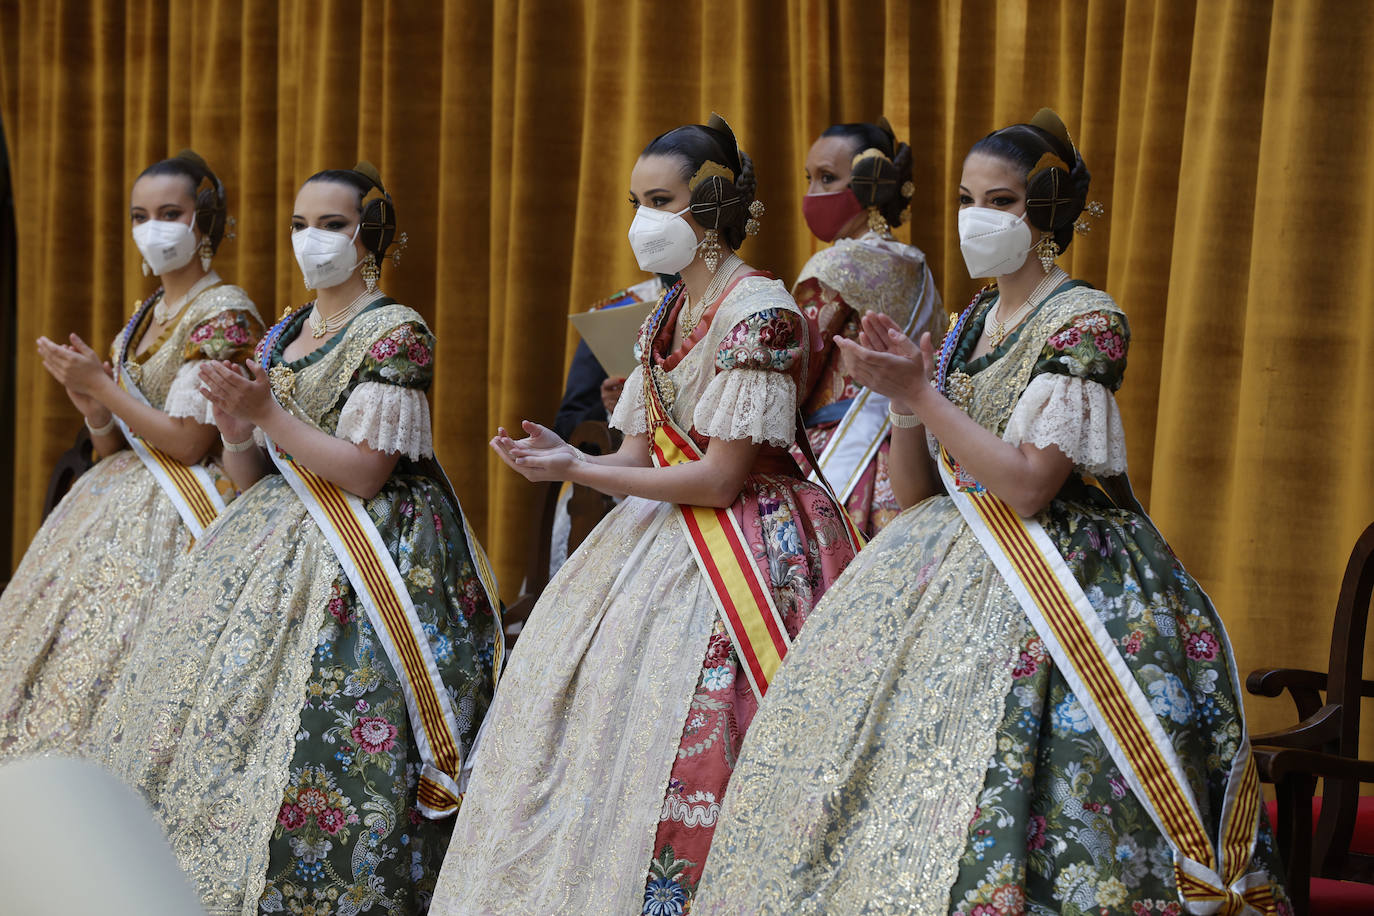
[599, 780]
[1016, 700]
[859, 187]
[328, 649]
[77, 601]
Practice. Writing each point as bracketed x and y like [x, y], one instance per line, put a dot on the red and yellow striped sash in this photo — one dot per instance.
[1099, 678]
[358, 546]
[742, 595]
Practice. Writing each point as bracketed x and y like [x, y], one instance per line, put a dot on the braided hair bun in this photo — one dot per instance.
[719, 174]
[880, 174]
[1056, 177]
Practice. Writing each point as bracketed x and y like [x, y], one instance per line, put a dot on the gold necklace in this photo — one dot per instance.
[998, 330]
[713, 289]
[319, 327]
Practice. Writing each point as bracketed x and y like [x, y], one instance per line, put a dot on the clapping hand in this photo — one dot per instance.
[542, 455]
[887, 361]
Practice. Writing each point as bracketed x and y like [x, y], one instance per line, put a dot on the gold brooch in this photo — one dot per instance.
[959, 388]
[667, 391]
[283, 381]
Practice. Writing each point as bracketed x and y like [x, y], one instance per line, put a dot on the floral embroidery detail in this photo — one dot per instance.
[770, 339]
[231, 335]
[374, 734]
[1202, 646]
[1091, 346]
[404, 356]
[669, 888]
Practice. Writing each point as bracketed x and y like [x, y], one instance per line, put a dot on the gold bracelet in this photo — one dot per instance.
[903, 420]
[243, 446]
[103, 430]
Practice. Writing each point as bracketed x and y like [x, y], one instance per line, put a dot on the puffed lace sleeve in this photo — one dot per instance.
[388, 409]
[231, 334]
[753, 394]
[629, 416]
[1069, 402]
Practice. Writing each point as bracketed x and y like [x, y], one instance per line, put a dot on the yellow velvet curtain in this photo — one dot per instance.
[1229, 141]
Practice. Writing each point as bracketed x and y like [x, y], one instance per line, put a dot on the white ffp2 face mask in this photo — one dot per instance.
[326, 258]
[166, 244]
[662, 241]
[995, 243]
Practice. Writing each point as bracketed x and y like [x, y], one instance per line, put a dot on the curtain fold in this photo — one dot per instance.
[1228, 142]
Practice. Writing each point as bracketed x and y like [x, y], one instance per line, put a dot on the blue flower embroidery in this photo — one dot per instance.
[664, 897]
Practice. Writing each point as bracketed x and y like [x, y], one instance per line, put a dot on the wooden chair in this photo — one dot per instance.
[1330, 865]
[585, 506]
[71, 464]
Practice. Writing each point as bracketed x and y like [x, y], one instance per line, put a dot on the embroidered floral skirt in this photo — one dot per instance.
[621, 712]
[871, 504]
[77, 602]
[919, 754]
[267, 726]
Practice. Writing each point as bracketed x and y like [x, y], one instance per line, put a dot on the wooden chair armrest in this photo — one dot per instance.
[1286, 762]
[1306, 687]
[1312, 733]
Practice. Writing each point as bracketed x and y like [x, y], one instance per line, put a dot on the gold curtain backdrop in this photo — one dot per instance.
[1229, 141]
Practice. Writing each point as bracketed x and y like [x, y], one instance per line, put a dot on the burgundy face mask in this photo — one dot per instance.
[827, 214]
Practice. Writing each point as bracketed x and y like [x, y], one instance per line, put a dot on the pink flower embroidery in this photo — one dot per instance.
[419, 354]
[1111, 344]
[983, 909]
[312, 800]
[1035, 832]
[291, 816]
[374, 734]
[717, 651]
[1025, 666]
[1201, 646]
[383, 349]
[236, 335]
[331, 821]
[1132, 644]
[1069, 337]
[204, 332]
[339, 610]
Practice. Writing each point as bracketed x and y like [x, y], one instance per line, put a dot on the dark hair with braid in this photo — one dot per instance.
[1054, 196]
[728, 207]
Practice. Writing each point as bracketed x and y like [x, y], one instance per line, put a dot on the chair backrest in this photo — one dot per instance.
[71, 464]
[1346, 686]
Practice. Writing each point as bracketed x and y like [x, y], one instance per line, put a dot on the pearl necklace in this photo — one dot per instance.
[319, 327]
[713, 289]
[164, 311]
[998, 330]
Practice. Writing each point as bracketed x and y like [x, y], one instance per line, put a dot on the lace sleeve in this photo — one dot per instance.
[629, 416]
[1077, 415]
[757, 404]
[753, 394]
[389, 418]
[184, 397]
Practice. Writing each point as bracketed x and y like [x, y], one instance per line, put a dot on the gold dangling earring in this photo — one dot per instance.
[710, 250]
[370, 272]
[1047, 249]
[206, 251]
[147, 271]
[877, 223]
